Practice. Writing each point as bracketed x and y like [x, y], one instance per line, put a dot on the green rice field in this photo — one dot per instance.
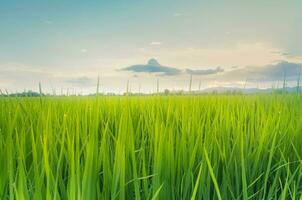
[151, 147]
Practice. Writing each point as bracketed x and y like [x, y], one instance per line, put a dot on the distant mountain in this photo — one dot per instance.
[248, 90]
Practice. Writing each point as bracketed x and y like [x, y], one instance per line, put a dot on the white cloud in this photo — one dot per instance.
[48, 22]
[84, 50]
[155, 43]
[16, 76]
[242, 54]
[177, 14]
[142, 49]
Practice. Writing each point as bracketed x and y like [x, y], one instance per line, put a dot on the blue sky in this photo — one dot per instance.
[67, 44]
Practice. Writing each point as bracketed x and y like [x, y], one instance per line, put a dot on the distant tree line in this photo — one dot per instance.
[22, 94]
[165, 92]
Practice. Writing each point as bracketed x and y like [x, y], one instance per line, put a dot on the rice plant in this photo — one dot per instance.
[153, 147]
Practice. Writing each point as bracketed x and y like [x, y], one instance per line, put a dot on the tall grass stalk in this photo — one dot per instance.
[160, 147]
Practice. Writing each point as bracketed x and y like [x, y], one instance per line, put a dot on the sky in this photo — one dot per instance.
[66, 45]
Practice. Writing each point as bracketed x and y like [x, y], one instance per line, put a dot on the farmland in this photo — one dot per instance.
[151, 147]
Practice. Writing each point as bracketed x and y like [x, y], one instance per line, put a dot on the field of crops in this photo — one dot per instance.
[169, 147]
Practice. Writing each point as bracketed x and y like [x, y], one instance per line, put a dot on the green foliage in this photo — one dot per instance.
[155, 147]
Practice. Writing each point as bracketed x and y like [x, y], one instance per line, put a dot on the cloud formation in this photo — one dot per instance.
[272, 72]
[155, 43]
[84, 50]
[177, 14]
[153, 67]
[204, 71]
[279, 70]
[81, 81]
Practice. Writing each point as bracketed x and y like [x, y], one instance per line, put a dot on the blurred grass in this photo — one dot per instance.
[174, 147]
